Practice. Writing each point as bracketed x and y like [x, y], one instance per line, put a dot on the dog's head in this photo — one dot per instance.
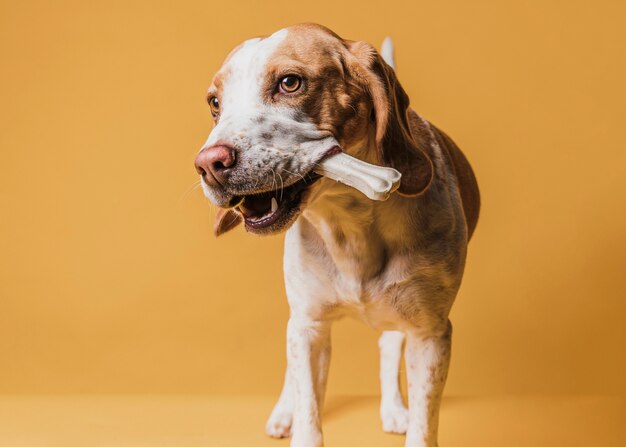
[283, 103]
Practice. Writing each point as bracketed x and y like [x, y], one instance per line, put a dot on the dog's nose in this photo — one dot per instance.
[215, 162]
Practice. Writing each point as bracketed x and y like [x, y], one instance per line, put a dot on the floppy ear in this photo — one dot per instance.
[396, 145]
[225, 220]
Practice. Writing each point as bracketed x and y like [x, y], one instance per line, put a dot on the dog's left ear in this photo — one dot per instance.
[396, 146]
[225, 220]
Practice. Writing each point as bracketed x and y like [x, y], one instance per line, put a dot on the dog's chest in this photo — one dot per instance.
[368, 302]
[364, 282]
[350, 273]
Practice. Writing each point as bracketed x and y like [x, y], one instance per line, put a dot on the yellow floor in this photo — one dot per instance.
[181, 421]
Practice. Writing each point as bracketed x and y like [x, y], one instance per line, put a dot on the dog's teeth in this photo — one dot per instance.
[274, 205]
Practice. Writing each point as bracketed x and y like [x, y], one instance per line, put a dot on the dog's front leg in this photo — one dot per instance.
[427, 357]
[308, 356]
[393, 413]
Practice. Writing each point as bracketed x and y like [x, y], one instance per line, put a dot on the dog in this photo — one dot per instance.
[283, 103]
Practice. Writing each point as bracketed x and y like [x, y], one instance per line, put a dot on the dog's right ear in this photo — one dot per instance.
[225, 220]
[390, 103]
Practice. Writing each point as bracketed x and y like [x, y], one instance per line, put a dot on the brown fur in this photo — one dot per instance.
[396, 146]
[331, 97]
[465, 178]
[346, 83]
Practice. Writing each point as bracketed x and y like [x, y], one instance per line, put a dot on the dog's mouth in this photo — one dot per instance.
[272, 210]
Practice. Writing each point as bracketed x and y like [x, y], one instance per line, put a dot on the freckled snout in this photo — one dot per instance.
[215, 163]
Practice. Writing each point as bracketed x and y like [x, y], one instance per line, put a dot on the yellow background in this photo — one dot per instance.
[110, 279]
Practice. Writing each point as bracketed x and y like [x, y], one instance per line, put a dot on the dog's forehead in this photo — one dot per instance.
[250, 58]
[306, 43]
[257, 49]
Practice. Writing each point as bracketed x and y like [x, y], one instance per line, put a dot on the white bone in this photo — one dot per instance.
[376, 182]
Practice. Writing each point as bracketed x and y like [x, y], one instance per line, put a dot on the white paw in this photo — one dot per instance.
[279, 424]
[395, 419]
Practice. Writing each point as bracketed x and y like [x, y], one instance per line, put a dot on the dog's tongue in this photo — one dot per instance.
[256, 205]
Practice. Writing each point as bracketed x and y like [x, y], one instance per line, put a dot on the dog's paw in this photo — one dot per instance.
[279, 424]
[395, 419]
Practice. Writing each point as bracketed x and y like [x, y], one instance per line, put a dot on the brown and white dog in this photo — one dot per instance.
[283, 103]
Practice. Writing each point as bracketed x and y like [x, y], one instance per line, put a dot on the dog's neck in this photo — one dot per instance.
[350, 225]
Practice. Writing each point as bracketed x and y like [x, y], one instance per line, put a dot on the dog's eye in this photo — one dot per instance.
[214, 103]
[290, 84]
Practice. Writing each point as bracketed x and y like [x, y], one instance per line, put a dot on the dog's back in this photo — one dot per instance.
[468, 187]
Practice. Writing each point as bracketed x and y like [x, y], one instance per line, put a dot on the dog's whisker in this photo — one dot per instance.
[256, 182]
[187, 193]
[274, 184]
[294, 173]
[282, 186]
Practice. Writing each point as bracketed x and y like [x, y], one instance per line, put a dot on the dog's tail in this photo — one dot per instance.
[386, 51]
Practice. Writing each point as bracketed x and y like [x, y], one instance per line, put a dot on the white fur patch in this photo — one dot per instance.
[241, 94]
